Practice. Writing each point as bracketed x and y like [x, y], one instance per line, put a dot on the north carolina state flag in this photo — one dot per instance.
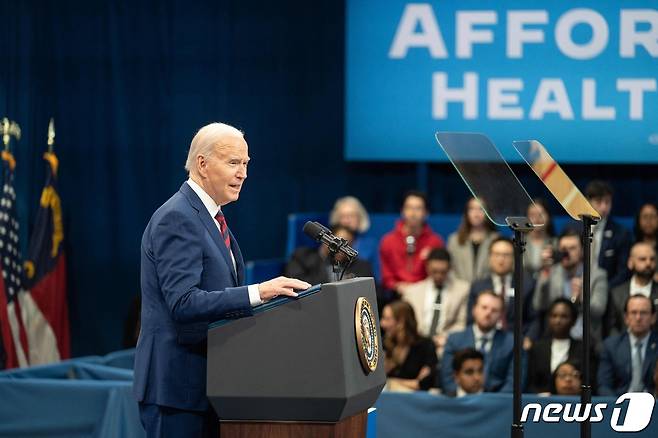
[47, 322]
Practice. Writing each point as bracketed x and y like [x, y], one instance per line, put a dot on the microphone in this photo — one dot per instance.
[411, 244]
[322, 234]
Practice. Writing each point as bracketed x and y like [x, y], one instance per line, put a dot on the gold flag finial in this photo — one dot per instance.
[9, 128]
[51, 135]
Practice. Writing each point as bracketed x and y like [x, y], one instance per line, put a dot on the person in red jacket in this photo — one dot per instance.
[402, 251]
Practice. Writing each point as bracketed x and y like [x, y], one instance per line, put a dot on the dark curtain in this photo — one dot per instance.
[129, 83]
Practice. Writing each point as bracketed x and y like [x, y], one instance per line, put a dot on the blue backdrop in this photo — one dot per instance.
[129, 83]
[580, 76]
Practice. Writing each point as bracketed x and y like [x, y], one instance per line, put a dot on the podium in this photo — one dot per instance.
[310, 366]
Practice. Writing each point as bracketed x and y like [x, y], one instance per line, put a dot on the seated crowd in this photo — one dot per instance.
[447, 311]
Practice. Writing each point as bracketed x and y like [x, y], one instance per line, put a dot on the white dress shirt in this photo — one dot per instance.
[637, 289]
[479, 335]
[213, 209]
[559, 352]
[430, 302]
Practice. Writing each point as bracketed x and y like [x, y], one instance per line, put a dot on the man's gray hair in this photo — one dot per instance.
[206, 139]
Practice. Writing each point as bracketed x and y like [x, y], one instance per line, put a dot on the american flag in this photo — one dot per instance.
[12, 271]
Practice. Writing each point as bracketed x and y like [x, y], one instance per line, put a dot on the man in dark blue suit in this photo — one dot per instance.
[501, 264]
[628, 360]
[611, 242]
[192, 273]
[496, 345]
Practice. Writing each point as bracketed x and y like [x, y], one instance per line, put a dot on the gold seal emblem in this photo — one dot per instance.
[367, 338]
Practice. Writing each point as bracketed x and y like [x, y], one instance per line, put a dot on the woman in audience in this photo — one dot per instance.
[540, 238]
[566, 379]
[350, 213]
[469, 246]
[410, 360]
[557, 347]
[646, 226]
[314, 265]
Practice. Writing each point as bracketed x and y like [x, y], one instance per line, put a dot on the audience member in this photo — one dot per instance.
[501, 266]
[350, 213]
[555, 348]
[314, 265]
[469, 245]
[642, 264]
[439, 301]
[496, 346]
[403, 251]
[611, 242]
[565, 279]
[566, 379]
[646, 227]
[629, 358]
[409, 360]
[646, 224]
[468, 372]
[540, 238]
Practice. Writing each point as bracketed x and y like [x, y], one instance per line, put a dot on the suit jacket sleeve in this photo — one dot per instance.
[178, 256]
[448, 385]
[623, 249]
[599, 298]
[606, 374]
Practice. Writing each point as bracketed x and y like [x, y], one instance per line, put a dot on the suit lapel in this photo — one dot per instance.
[239, 261]
[650, 357]
[209, 223]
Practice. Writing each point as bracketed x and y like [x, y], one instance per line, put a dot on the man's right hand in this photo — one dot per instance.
[280, 286]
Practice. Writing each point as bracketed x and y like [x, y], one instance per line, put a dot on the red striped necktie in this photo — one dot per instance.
[223, 229]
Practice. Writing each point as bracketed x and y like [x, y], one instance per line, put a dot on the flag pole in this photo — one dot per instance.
[51, 135]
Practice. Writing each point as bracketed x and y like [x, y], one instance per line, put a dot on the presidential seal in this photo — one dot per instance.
[367, 339]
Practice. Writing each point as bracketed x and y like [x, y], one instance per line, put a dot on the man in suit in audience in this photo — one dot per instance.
[439, 301]
[192, 273]
[565, 279]
[628, 359]
[496, 345]
[501, 264]
[642, 264]
[468, 372]
[611, 242]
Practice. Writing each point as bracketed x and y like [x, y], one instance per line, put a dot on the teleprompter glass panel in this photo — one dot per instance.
[487, 175]
[555, 180]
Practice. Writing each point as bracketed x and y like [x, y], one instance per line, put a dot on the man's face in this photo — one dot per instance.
[571, 245]
[438, 270]
[471, 376]
[642, 260]
[225, 170]
[602, 204]
[414, 212]
[501, 258]
[486, 311]
[638, 317]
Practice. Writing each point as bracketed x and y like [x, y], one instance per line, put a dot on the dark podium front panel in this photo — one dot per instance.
[296, 361]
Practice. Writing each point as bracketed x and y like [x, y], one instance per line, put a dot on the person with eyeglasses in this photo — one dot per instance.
[566, 379]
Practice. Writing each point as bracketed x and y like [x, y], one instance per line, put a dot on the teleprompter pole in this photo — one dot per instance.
[586, 388]
[521, 226]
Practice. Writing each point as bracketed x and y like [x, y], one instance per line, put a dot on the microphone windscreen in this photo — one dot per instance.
[313, 230]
